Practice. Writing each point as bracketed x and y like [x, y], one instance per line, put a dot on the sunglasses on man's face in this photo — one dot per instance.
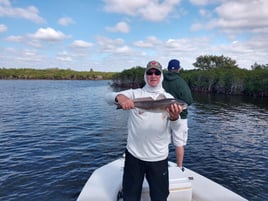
[151, 72]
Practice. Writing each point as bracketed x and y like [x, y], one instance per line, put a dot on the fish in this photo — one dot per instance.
[158, 105]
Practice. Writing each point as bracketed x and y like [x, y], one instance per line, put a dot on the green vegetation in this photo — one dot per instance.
[221, 75]
[208, 62]
[130, 78]
[215, 74]
[54, 74]
[228, 81]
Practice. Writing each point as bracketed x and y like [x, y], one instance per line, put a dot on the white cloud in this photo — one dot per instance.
[3, 28]
[5, 2]
[14, 38]
[238, 17]
[34, 43]
[126, 7]
[48, 34]
[65, 21]
[143, 44]
[151, 10]
[64, 57]
[109, 45]
[114, 48]
[205, 2]
[199, 2]
[30, 13]
[29, 55]
[21, 39]
[124, 49]
[81, 44]
[244, 14]
[119, 27]
[149, 42]
[205, 13]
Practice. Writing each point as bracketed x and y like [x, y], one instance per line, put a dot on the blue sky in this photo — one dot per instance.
[113, 35]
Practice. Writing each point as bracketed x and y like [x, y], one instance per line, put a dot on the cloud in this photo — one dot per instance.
[81, 44]
[119, 27]
[28, 55]
[238, 17]
[109, 45]
[3, 28]
[22, 39]
[48, 34]
[113, 49]
[248, 14]
[149, 42]
[30, 13]
[151, 10]
[5, 2]
[41, 35]
[14, 38]
[199, 2]
[205, 13]
[65, 21]
[64, 57]
[205, 2]
[126, 7]
[143, 44]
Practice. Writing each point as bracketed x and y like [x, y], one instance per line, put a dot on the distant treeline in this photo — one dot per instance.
[220, 81]
[215, 74]
[229, 81]
[53, 74]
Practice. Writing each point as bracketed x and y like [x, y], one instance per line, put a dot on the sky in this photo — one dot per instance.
[113, 35]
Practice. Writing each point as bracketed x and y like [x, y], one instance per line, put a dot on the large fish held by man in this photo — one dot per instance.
[159, 105]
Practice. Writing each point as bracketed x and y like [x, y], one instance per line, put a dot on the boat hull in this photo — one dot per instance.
[105, 183]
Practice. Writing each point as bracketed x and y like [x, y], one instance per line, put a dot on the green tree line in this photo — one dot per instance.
[129, 78]
[53, 74]
[214, 74]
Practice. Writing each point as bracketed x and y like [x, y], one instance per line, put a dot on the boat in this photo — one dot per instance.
[105, 184]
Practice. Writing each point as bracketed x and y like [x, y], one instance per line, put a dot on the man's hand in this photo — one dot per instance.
[125, 102]
[174, 111]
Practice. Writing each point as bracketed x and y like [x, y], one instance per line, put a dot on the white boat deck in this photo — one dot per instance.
[106, 181]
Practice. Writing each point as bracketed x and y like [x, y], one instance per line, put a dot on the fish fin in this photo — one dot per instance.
[160, 97]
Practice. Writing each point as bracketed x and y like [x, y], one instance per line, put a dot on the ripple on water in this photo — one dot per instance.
[55, 133]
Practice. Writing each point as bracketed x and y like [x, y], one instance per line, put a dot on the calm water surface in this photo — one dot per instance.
[53, 134]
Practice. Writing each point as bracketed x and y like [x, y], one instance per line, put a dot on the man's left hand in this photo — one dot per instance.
[174, 111]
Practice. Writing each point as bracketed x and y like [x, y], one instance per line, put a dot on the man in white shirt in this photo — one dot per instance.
[149, 136]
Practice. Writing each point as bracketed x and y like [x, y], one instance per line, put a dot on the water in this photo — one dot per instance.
[53, 134]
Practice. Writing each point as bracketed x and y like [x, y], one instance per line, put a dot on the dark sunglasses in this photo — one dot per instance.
[151, 72]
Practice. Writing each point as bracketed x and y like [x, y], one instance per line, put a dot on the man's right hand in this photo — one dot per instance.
[125, 102]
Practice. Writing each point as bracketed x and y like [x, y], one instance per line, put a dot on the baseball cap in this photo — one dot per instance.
[174, 64]
[155, 65]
